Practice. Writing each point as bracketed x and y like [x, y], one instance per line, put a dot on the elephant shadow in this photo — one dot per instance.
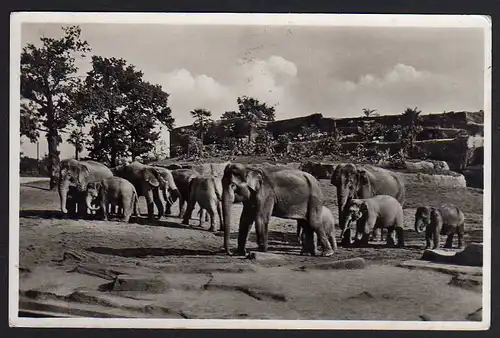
[145, 252]
[35, 186]
[159, 223]
[45, 214]
[274, 238]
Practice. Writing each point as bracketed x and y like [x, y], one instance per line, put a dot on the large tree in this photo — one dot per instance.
[122, 110]
[77, 139]
[251, 112]
[48, 81]
[411, 122]
[202, 121]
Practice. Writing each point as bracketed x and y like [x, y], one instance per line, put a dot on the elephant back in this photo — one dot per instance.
[385, 182]
[97, 171]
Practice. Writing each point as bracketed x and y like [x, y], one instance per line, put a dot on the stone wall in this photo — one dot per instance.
[414, 173]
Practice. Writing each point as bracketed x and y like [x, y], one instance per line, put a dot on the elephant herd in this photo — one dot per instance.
[369, 198]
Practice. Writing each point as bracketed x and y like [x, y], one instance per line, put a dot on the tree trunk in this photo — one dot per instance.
[53, 158]
[113, 157]
[77, 154]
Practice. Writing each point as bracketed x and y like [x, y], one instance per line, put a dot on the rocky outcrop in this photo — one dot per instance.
[440, 180]
[412, 174]
[459, 152]
[474, 176]
[472, 255]
[318, 169]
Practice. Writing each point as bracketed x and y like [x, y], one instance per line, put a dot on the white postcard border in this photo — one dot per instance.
[352, 20]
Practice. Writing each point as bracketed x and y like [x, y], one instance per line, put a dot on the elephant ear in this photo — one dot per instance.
[83, 175]
[363, 209]
[254, 180]
[151, 176]
[435, 215]
[364, 188]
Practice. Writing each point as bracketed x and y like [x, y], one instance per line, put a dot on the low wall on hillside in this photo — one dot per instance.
[415, 173]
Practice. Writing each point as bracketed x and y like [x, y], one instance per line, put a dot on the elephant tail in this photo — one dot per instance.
[312, 199]
[218, 193]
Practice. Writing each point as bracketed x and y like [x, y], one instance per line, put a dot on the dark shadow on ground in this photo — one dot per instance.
[144, 252]
[35, 186]
[45, 214]
[162, 223]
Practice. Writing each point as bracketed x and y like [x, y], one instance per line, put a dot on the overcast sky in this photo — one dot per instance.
[336, 71]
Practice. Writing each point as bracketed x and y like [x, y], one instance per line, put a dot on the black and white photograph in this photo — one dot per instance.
[254, 171]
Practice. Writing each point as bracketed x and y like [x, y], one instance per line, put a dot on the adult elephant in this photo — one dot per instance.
[149, 181]
[182, 177]
[74, 177]
[363, 181]
[272, 191]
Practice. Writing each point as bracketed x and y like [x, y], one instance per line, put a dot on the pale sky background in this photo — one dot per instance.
[336, 71]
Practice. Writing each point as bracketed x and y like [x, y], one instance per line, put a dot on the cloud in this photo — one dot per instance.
[399, 87]
[267, 80]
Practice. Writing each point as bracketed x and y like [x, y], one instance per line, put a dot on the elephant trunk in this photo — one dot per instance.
[63, 194]
[227, 202]
[167, 196]
[341, 201]
[419, 226]
[88, 201]
[346, 225]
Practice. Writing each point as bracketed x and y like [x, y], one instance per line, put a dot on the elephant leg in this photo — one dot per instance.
[346, 241]
[436, 238]
[150, 204]
[428, 236]
[333, 240]
[189, 212]
[168, 208]
[71, 204]
[317, 226]
[261, 225]
[126, 206]
[212, 219]
[299, 229]
[400, 236]
[307, 240]
[181, 206]
[460, 235]
[219, 211]
[211, 212]
[246, 220]
[158, 202]
[203, 212]
[105, 208]
[449, 239]
[390, 238]
[81, 205]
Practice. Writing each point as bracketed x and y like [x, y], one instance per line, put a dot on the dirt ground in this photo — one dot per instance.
[166, 269]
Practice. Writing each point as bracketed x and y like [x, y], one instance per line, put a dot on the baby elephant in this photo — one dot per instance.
[116, 191]
[328, 223]
[381, 211]
[447, 219]
[206, 190]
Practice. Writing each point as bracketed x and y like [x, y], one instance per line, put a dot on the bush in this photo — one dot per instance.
[264, 143]
[31, 167]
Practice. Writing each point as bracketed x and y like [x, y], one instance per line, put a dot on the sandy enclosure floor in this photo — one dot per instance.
[166, 269]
